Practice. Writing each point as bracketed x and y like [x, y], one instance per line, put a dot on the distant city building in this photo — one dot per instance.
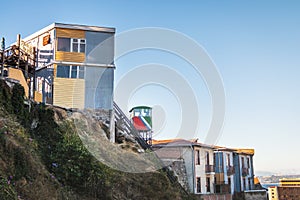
[288, 189]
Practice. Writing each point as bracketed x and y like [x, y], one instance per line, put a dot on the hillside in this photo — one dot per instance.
[42, 157]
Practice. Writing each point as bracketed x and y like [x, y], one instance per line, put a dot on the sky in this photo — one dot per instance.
[254, 45]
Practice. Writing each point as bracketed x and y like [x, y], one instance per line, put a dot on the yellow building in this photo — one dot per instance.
[288, 189]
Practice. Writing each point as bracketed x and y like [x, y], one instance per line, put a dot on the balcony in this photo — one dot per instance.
[245, 171]
[222, 188]
[209, 169]
[230, 170]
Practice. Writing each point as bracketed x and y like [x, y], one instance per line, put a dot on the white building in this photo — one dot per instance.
[192, 161]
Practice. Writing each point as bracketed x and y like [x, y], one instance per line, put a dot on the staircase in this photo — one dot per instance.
[122, 121]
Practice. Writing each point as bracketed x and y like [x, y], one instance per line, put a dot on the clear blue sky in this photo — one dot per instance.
[255, 45]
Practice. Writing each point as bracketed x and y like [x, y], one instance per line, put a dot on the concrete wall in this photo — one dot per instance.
[188, 157]
[215, 197]
[256, 195]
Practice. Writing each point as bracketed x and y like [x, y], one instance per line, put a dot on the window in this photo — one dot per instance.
[248, 162]
[207, 158]
[63, 44]
[249, 184]
[71, 45]
[198, 185]
[243, 162]
[228, 159]
[244, 184]
[197, 157]
[207, 184]
[63, 71]
[66, 71]
[78, 45]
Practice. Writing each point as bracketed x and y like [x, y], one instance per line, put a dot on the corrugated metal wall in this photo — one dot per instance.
[99, 81]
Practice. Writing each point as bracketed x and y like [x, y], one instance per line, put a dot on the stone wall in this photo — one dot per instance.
[214, 197]
[178, 167]
[251, 195]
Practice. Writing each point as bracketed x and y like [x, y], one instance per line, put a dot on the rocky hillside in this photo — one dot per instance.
[42, 157]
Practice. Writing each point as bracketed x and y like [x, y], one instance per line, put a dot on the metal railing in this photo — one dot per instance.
[230, 170]
[125, 124]
[209, 169]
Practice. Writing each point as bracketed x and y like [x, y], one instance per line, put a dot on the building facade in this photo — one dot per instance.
[244, 172]
[224, 168]
[209, 170]
[75, 65]
[197, 163]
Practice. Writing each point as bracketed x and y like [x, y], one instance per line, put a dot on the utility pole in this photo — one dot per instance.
[3, 54]
[19, 48]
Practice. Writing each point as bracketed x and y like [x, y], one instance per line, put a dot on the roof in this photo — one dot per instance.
[219, 148]
[70, 26]
[245, 151]
[178, 142]
[139, 107]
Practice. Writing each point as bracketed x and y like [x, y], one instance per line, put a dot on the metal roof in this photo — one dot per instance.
[140, 107]
[70, 26]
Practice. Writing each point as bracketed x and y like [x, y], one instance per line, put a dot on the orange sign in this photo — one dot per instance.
[46, 40]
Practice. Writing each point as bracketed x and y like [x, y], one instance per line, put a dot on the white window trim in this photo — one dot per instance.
[79, 42]
[77, 72]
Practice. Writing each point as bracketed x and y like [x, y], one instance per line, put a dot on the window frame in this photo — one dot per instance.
[208, 190]
[79, 71]
[197, 157]
[198, 184]
[79, 42]
[72, 41]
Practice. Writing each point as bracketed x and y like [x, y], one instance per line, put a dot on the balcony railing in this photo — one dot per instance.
[222, 188]
[245, 171]
[209, 169]
[230, 170]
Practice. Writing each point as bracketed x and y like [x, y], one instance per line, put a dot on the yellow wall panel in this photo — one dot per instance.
[69, 92]
[18, 75]
[38, 97]
[70, 33]
[219, 177]
[69, 56]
